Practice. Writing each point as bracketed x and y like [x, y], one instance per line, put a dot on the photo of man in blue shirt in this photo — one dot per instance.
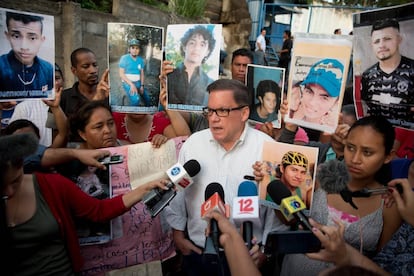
[22, 73]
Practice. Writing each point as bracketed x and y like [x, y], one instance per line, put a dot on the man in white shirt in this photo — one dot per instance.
[260, 49]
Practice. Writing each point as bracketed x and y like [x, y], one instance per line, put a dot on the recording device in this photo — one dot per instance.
[180, 176]
[291, 242]
[113, 159]
[246, 210]
[214, 195]
[291, 206]
[365, 192]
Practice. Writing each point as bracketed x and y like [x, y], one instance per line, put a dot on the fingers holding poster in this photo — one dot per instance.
[317, 80]
[384, 65]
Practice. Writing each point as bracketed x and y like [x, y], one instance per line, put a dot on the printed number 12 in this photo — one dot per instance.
[246, 205]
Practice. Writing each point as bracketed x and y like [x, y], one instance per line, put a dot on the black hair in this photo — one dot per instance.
[240, 91]
[80, 119]
[25, 18]
[243, 52]
[337, 31]
[19, 124]
[13, 148]
[206, 34]
[265, 86]
[288, 33]
[57, 68]
[75, 53]
[383, 127]
[385, 23]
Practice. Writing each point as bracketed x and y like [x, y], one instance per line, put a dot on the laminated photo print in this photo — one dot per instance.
[194, 51]
[317, 80]
[294, 166]
[383, 64]
[134, 62]
[27, 55]
[265, 86]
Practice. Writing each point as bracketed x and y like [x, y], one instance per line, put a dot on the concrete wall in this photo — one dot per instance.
[76, 27]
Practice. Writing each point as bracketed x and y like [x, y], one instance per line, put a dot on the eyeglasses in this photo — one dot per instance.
[221, 112]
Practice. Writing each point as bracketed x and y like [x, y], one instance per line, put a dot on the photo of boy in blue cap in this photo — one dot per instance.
[315, 99]
[131, 71]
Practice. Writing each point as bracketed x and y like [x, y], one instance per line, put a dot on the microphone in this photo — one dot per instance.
[214, 195]
[291, 206]
[180, 176]
[246, 210]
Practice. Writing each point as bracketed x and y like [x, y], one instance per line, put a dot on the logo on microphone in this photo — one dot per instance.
[175, 171]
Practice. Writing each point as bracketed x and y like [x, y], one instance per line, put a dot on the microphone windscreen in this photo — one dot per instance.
[212, 188]
[192, 167]
[17, 146]
[333, 176]
[247, 188]
[278, 191]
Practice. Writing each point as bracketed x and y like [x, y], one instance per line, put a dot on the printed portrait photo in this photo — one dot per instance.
[294, 165]
[265, 85]
[194, 51]
[134, 56]
[27, 55]
[383, 64]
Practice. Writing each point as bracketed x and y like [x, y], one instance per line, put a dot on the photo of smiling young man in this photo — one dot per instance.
[27, 55]
[384, 64]
[194, 51]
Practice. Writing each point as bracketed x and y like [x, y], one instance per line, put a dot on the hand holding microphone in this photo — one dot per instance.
[214, 196]
[180, 177]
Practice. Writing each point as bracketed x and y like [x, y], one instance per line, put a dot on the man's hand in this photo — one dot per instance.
[90, 157]
[405, 200]
[55, 102]
[257, 171]
[133, 89]
[102, 89]
[183, 244]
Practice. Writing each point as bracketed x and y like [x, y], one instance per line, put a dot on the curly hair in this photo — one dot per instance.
[206, 34]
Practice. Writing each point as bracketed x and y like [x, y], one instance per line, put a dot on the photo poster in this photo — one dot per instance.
[265, 85]
[135, 52]
[317, 80]
[301, 176]
[192, 48]
[95, 183]
[137, 237]
[27, 56]
[376, 92]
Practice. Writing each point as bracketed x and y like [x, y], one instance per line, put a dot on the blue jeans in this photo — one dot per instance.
[135, 99]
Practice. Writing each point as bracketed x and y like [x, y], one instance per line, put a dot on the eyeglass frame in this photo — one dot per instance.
[209, 111]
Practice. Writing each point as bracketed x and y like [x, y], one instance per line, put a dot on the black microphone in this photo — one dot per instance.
[180, 176]
[290, 206]
[214, 200]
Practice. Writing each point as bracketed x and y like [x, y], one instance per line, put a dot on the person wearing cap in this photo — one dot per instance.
[315, 99]
[37, 213]
[293, 171]
[187, 84]
[387, 86]
[131, 71]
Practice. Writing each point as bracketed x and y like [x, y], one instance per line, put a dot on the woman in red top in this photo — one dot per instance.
[37, 212]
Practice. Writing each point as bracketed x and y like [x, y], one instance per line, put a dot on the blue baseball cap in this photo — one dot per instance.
[133, 42]
[328, 74]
